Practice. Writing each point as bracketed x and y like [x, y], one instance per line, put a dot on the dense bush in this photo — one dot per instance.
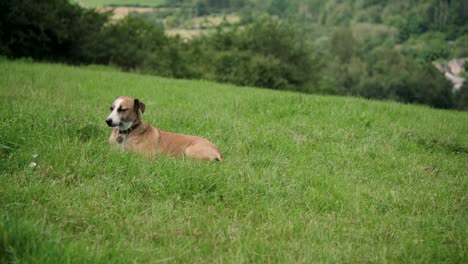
[395, 76]
[246, 68]
[461, 97]
[128, 42]
[48, 30]
[382, 74]
[268, 53]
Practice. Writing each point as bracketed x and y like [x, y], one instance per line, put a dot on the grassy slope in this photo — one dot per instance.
[306, 178]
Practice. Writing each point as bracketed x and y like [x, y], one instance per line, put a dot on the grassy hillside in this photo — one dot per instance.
[305, 178]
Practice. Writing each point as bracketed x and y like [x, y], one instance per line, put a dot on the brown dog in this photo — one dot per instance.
[132, 133]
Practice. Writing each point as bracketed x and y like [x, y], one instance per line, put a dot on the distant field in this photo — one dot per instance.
[101, 3]
[205, 25]
[305, 179]
[189, 28]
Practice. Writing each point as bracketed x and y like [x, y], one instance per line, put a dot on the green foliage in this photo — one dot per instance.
[394, 76]
[268, 53]
[171, 60]
[427, 47]
[245, 68]
[358, 48]
[383, 74]
[460, 47]
[278, 7]
[115, 47]
[101, 3]
[343, 44]
[47, 30]
[281, 41]
[461, 97]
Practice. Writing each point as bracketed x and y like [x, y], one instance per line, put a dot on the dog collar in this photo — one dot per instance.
[129, 130]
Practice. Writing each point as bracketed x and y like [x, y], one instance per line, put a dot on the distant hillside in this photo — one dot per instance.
[371, 49]
[102, 3]
[431, 29]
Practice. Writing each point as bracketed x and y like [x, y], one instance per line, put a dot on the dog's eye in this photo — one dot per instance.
[122, 110]
[112, 109]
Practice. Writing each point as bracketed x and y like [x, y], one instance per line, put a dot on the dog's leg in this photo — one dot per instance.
[203, 151]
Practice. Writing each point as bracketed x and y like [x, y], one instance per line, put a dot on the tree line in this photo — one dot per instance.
[278, 45]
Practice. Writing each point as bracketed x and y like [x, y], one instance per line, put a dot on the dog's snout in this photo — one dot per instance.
[109, 121]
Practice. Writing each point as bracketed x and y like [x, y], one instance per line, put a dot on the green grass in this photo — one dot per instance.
[100, 3]
[305, 178]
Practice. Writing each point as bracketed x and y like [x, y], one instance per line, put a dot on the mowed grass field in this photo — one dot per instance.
[305, 178]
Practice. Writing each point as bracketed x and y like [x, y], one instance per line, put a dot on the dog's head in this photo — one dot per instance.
[125, 112]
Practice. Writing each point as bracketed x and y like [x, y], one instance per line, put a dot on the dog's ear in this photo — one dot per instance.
[139, 105]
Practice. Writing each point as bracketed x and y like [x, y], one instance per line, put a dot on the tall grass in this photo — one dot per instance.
[305, 178]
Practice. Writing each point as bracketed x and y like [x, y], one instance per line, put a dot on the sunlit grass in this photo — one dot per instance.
[305, 178]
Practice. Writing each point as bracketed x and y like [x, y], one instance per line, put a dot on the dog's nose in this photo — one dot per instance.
[109, 121]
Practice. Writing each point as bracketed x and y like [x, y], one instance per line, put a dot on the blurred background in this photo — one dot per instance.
[411, 51]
